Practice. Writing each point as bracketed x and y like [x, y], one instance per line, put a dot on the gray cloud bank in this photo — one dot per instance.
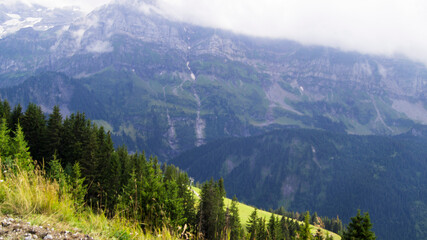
[384, 27]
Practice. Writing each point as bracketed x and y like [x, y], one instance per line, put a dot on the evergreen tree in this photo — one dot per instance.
[261, 232]
[15, 118]
[359, 228]
[34, 127]
[304, 232]
[78, 188]
[53, 132]
[189, 201]
[5, 110]
[252, 225]
[234, 221]
[211, 210]
[20, 151]
[272, 227]
[5, 146]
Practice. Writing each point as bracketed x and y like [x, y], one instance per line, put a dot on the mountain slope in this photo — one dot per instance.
[168, 86]
[333, 174]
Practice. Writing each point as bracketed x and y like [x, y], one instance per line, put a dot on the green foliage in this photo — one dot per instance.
[318, 235]
[211, 214]
[5, 146]
[53, 132]
[90, 172]
[14, 152]
[359, 228]
[21, 151]
[34, 128]
[236, 230]
[252, 224]
[304, 232]
[78, 188]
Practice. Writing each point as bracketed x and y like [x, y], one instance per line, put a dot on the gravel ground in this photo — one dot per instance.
[14, 228]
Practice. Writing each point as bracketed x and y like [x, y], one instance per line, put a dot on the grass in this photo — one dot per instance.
[246, 210]
[35, 199]
[39, 201]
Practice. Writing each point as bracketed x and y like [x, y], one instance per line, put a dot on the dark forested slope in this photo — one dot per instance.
[334, 174]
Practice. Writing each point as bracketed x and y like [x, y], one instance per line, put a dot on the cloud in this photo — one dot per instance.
[85, 5]
[385, 27]
[100, 47]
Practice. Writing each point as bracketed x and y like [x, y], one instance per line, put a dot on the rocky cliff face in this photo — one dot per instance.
[201, 84]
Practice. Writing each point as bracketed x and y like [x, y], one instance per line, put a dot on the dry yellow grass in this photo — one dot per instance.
[36, 199]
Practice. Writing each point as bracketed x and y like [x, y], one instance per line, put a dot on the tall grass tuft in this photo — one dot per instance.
[27, 192]
[31, 195]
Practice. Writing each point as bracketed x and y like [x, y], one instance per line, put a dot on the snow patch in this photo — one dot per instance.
[13, 16]
[100, 47]
[16, 23]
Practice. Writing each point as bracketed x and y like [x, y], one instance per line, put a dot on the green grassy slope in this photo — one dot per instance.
[246, 210]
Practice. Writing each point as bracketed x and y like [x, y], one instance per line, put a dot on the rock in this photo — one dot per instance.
[47, 237]
[5, 223]
[28, 237]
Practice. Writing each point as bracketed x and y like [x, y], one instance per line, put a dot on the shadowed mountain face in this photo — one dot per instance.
[165, 86]
[333, 174]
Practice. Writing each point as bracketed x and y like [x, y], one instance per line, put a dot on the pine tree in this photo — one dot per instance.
[359, 228]
[5, 110]
[211, 210]
[261, 230]
[234, 221]
[304, 232]
[53, 132]
[34, 127]
[252, 225]
[189, 201]
[272, 227]
[15, 118]
[5, 140]
[21, 152]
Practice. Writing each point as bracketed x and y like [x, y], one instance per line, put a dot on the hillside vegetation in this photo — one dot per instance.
[80, 185]
[245, 212]
[333, 174]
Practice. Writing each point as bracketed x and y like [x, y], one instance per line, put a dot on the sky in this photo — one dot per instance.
[381, 27]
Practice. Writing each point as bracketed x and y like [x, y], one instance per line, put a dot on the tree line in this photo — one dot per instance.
[81, 157]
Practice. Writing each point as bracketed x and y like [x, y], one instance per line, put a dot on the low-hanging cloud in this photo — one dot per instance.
[100, 47]
[385, 27]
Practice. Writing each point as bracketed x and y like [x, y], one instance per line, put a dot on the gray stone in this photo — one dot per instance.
[48, 237]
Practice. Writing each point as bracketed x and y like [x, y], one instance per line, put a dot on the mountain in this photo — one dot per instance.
[331, 173]
[168, 86]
